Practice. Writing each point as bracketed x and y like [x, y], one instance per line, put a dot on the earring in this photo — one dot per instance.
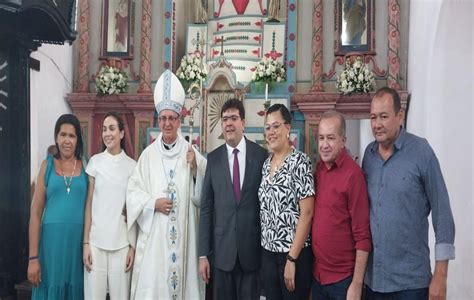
[288, 136]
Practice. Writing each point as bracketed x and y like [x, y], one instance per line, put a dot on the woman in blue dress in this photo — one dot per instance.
[57, 216]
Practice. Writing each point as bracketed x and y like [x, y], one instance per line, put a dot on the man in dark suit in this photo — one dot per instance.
[229, 228]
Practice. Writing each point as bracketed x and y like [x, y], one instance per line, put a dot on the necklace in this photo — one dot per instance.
[279, 163]
[170, 189]
[66, 183]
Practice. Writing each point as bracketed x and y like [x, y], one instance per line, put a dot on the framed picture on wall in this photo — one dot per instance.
[354, 26]
[311, 142]
[117, 28]
[141, 130]
[85, 131]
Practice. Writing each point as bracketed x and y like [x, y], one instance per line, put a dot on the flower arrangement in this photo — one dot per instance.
[111, 80]
[269, 70]
[356, 77]
[191, 69]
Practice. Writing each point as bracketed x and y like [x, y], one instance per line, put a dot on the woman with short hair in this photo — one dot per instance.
[286, 196]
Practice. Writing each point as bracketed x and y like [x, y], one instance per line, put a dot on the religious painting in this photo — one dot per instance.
[311, 147]
[117, 28]
[141, 132]
[85, 137]
[295, 138]
[354, 26]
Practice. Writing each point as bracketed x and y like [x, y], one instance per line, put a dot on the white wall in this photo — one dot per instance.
[440, 80]
[48, 89]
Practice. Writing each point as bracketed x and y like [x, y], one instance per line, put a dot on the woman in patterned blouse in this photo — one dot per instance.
[286, 208]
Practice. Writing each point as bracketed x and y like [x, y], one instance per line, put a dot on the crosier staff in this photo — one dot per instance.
[195, 96]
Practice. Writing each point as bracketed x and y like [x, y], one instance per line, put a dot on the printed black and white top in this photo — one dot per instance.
[279, 197]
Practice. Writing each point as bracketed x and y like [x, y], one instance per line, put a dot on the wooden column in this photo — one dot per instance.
[393, 44]
[317, 47]
[84, 16]
[145, 49]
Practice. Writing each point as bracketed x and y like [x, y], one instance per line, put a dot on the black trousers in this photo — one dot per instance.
[273, 268]
[235, 285]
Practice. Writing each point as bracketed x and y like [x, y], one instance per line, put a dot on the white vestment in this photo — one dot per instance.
[166, 259]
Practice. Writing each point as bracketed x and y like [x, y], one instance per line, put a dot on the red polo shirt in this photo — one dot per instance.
[341, 219]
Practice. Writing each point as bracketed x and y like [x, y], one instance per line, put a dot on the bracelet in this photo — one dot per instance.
[33, 257]
[85, 243]
[290, 258]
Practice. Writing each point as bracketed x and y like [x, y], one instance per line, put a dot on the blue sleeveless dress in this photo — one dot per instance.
[60, 247]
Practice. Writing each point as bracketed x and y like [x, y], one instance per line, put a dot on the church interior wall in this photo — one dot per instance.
[437, 78]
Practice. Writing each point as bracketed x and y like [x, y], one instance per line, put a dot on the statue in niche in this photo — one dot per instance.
[121, 26]
[355, 19]
[200, 12]
[273, 10]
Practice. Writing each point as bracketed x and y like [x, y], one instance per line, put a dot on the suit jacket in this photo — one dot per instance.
[228, 228]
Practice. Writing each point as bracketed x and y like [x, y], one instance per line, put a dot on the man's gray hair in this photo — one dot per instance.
[330, 114]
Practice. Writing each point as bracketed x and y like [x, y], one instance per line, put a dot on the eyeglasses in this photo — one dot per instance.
[273, 126]
[167, 118]
[233, 118]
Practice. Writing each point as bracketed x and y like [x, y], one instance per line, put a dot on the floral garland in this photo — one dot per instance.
[355, 78]
[111, 80]
[191, 69]
[269, 70]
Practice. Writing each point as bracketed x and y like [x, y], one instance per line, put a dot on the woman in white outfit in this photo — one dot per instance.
[108, 248]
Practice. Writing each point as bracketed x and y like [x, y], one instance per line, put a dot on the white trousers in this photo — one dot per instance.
[107, 274]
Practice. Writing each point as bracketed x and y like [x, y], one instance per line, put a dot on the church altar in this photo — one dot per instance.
[234, 37]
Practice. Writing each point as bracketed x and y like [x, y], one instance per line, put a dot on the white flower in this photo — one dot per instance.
[355, 77]
[111, 80]
[269, 70]
[192, 68]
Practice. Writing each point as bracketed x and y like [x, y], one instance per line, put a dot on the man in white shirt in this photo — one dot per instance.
[163, 197]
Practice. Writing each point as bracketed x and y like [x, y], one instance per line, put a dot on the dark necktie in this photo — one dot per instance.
[236, 176]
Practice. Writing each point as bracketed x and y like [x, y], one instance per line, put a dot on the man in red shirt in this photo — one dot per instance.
[341, 234]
